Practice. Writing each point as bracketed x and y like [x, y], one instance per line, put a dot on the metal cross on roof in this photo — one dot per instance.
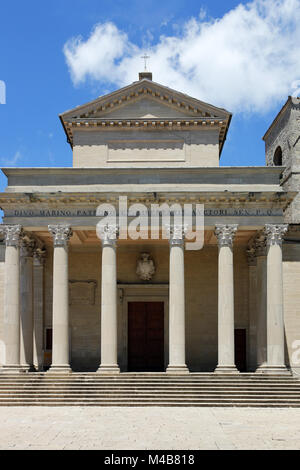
[145, 57]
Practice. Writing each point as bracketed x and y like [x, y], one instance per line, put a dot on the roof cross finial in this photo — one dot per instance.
[145, 57]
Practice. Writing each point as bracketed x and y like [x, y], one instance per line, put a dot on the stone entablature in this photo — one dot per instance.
[247, 196]
[218, 179]
[156, 123]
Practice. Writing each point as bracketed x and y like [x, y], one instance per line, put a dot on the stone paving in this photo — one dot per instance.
[148, 428]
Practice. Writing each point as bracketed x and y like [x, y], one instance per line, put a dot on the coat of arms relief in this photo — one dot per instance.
[145, 267]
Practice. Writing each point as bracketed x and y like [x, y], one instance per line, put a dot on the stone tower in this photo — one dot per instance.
[282, 141]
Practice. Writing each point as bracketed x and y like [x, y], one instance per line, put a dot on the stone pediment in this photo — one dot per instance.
[140, 104]
[143, 107]
[164, 97]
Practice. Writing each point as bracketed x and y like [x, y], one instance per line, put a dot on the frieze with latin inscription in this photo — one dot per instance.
[211, 212]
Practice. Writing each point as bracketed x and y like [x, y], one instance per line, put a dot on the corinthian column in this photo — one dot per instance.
[226, 360]
[275, 321]
[12, 298]
[38, 306]
[252, 306]
[109, 336]
[26, 307]
[60, 348]
[177, 361]
[260, 244]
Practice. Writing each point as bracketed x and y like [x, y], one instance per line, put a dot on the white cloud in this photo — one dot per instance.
[12, 161]
[245, 61]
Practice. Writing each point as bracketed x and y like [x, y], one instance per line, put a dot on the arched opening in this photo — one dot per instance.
[277, 160]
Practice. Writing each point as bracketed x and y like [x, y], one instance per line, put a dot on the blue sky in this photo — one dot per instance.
[46, 72]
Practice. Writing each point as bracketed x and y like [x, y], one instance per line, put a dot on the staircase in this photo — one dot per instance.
[129, 389]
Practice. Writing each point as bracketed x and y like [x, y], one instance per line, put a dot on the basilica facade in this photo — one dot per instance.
[73, 298]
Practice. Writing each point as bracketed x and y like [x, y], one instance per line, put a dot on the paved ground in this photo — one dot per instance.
[149, 428]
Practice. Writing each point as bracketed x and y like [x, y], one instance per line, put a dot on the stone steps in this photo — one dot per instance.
[14, 389]
[150, 396]
[43, 389]
[139, 380]
[143, 376]
[147, 384]
[132, 403]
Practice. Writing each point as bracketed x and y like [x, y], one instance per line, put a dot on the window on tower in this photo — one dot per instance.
[277, 160]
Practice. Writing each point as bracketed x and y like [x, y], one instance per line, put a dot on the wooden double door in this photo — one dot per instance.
[146, 336]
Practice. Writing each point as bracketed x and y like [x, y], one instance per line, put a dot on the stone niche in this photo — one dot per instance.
[82, 292]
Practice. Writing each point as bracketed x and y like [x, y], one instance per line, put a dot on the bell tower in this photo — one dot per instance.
[282, 141]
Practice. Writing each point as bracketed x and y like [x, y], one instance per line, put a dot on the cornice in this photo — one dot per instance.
[187, 123]
[231, 199]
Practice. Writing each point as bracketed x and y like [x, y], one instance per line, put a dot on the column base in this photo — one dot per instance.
[60, 369]
[178, 370]
[27, 368]
[109, 369]
[273, 370]
[11, 369]
[226, 370]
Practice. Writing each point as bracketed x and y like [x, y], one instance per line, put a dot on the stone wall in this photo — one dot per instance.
[169, 148]
[2, 346]
[286, 134]
[201, 271]
[291, 291]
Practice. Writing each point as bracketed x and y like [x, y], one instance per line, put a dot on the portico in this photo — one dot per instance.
[117, 295]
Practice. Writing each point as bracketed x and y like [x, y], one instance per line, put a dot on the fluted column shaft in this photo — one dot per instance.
[252, 308]
[109, 333]
[226, 359]
[26, 307]
[11, 324]
[258, 250]
[275, 319]
[261, 311]
[60, 347]
[38, 298]
[177, 360]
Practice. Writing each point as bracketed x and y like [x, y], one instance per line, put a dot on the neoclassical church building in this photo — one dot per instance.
[71, 300]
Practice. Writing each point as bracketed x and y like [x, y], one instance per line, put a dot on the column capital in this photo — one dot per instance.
[257, 246]
[176, 234]
[225, 234]
[274, 233]
[12, 234]
[108, 234]
[39, 256]
[27, 244]
[61, 234]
